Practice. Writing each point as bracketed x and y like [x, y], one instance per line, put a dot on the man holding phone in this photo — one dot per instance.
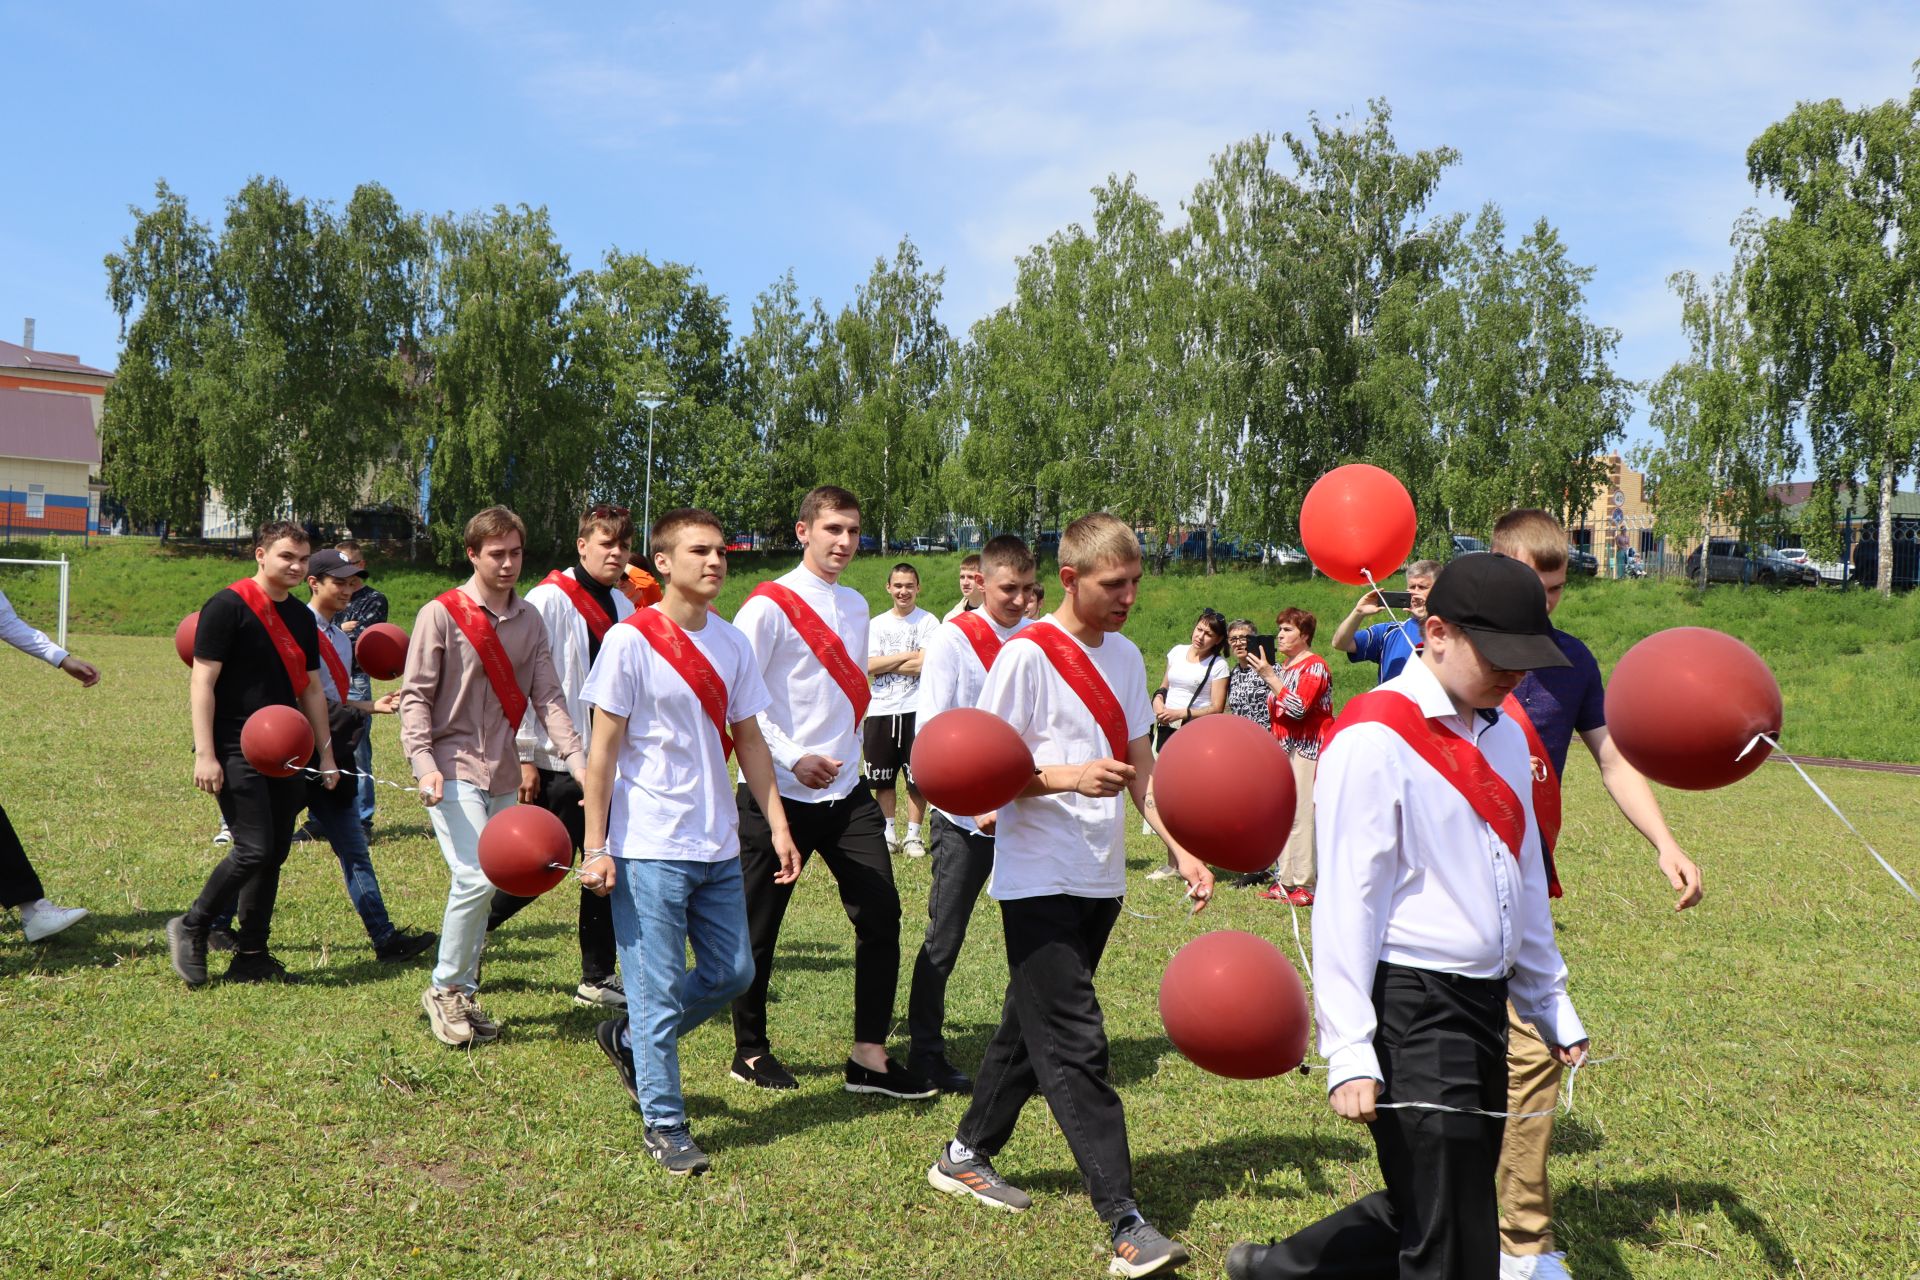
[1389, 644]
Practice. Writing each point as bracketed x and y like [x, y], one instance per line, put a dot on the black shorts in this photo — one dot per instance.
[886, 748]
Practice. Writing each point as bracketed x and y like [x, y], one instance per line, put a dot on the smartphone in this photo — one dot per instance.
[1397, 599]
[1263, 645]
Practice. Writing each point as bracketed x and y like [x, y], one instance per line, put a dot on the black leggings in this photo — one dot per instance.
[18, 883]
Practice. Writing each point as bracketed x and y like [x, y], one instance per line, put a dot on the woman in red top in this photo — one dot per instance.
[1303, 721]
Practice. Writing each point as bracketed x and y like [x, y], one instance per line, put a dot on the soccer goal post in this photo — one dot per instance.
[60, 636]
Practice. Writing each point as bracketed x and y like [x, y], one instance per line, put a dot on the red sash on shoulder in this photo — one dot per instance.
[979, 632]
[1546, 790]
[1071, 661]
[825, 643]
[335, 668]
[671, 641]
[291, 655]
[477, 627]
[590, 611]
[1452, 757]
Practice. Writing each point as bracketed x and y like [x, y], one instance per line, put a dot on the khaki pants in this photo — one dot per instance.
[1533, 1084]
[1296, 860]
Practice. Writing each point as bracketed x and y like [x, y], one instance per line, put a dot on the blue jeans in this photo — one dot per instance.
[360, 688]
[660, 906]
[339, 822]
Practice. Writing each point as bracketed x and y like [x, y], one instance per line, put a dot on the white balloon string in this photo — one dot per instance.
[1391, 615]
[350, 773]
[1898, 879]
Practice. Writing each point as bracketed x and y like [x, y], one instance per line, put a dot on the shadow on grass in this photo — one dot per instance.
[1593, 1220]
[1130, 1059]
[1573, 1136]
[97, 942]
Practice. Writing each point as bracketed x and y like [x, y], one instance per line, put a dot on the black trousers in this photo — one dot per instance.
[1440, 1039]
[560, 795]
[19, 885]
[1052, 1040]
[962, 861]
[260, 812]
[850, 837]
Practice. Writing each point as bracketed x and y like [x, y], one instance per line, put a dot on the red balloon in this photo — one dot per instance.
[1683, 704]
[525, 850]
[968, 762]
[183, 636]
[1235, 1006]
[1224, 787]
[1356, 518]
[277, 740]
[381, 651]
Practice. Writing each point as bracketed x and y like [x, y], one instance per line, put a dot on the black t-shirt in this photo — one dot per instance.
[251, 673]
[603, 596]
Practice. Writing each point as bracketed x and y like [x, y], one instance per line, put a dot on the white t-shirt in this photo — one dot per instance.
[889, 633]
[672, 796]
[809, 713]
[1184, 678]
[951, 675]
[1066, 843]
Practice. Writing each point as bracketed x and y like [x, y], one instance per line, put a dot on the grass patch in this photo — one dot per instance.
[1757, 1125]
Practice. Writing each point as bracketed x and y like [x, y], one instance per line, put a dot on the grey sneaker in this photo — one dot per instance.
[447, 1014]
[1162, 872]
[1139, 1250]
[188, 951]
[676, 1150]
[977, 1177]
[610, 994]
[485, 1029]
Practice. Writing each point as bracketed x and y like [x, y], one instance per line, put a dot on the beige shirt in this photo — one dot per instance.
[450, 720]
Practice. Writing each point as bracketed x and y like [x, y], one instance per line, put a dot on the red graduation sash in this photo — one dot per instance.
[1546, 789]
[1071, 661]
[291, 655]
[671, 641]
[335, 668]
[477, 627]
[1452, 757]
[590, 611]
[980, 634]
[822, 640]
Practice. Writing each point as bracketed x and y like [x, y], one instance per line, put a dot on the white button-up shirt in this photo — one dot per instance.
[952, 675]
[809, 714]
[27, 639]
[1409, 874]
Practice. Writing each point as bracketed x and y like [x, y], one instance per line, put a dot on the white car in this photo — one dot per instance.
[1284, 556]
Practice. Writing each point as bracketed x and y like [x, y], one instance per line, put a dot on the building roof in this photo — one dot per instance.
[49, 425]
[1858, 502]
[15, 356]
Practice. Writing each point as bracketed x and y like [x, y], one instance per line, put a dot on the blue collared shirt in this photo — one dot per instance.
[1390, 644]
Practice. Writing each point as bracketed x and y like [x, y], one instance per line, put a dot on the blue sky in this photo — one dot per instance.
[746, 139]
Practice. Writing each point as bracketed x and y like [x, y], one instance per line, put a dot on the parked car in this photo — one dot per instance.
[1284, 556]
[1786, 572]
[869, 543]
[1731, 561]
[1465, 545]
[1581, 560]
[1794, 555]
[928, 546]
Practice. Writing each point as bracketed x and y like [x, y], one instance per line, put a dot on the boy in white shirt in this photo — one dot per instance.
[674, 688]
[1076, 691]
[1431, 912]
[970, 588]
[958, 656]
[895, 640]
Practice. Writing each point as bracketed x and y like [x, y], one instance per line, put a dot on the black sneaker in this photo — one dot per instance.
[1253, 879]
[676, 1150]
[222, 940]
[1139, 1250]
[895, 1082]
[608, 1036]
[404, 944]
[765, 1073]
[941, 1074]
[258, 966]
[977, 1177]
[366, 829]
[188, 951]
[1244, 1259]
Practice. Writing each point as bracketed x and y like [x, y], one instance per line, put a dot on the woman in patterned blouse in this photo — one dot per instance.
[1302, 715]
[1252, 679]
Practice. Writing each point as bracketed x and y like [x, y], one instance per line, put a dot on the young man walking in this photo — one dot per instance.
[1431, 913]
[1552, 705]
[970, 586]
[331, 580]
[895, 641]
[364, 608]
[479, 658]
[959, 654]
[256, 646]
[19, 884]
[804, 629]
[1389, 644]
[675, 690]
[579, 607]
[1076, 691]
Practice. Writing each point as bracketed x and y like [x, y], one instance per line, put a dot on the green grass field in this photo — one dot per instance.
[1758, 1122]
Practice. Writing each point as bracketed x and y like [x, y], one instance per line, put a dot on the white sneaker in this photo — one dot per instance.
[42, 919]
[1162, 872]
[1535, 1266]
[224, 836]
[912, 847]
[893, 844]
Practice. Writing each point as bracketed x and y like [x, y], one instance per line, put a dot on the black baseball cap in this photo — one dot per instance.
[1502, 607]
[331, 564]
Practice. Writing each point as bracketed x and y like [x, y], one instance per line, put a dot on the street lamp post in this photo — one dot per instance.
[652, 400]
